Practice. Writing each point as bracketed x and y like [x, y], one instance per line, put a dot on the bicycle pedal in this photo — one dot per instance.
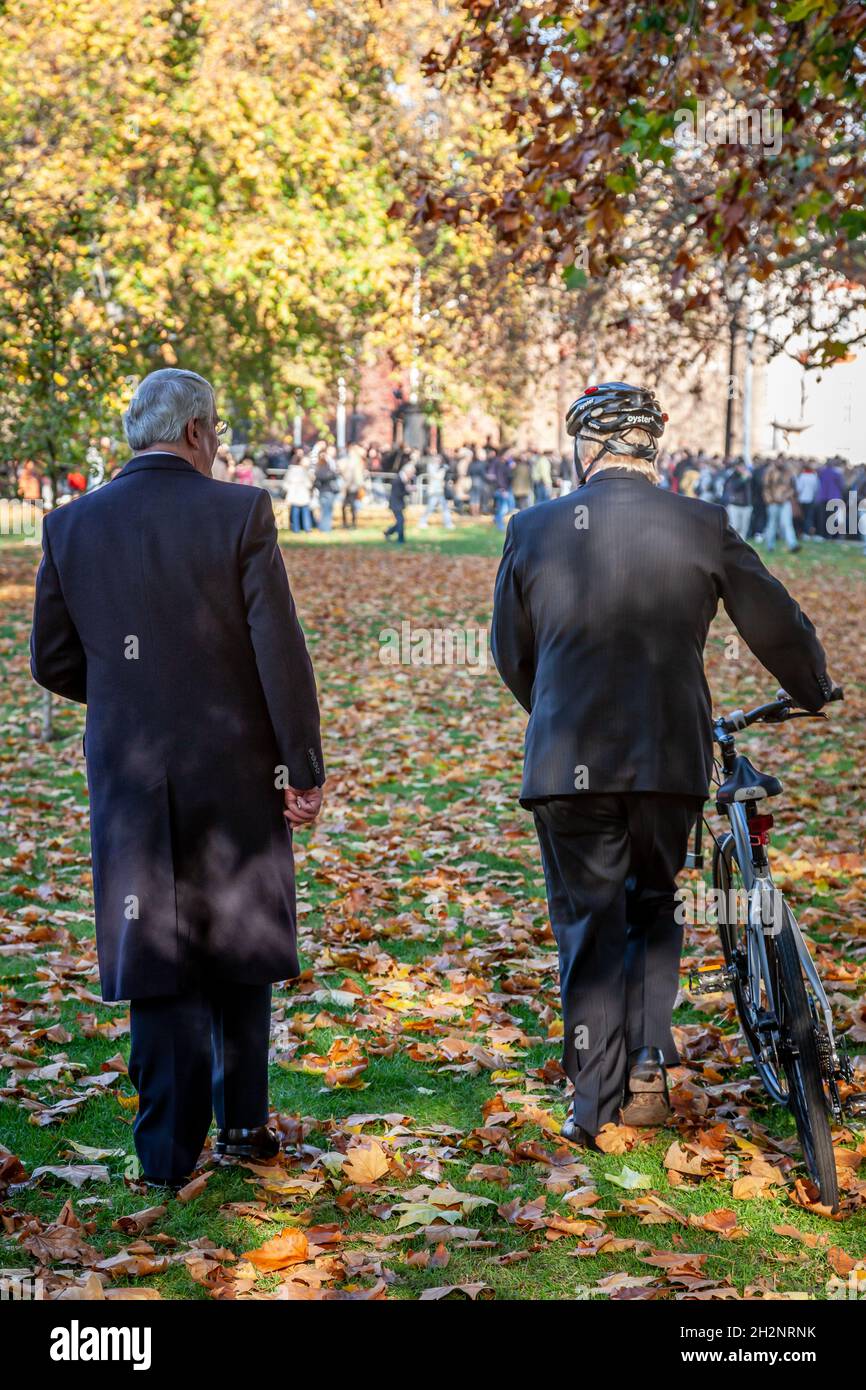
[709, 981]
[855, 1105]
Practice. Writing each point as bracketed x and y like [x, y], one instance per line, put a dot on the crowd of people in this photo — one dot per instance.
[779, 499]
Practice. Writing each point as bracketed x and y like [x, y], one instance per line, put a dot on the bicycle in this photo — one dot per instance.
[781, 1003]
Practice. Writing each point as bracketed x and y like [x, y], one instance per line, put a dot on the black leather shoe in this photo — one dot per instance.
[260, 1143]
[577, 1135]
[168, 1184]
[646, 1095]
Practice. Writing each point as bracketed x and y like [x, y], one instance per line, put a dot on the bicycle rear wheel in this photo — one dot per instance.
[807, 1097]
[728, 883]
[786, 1054]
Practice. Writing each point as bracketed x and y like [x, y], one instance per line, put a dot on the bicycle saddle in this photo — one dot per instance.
[746, 783]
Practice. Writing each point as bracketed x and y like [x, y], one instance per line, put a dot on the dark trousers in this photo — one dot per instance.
[397, 527]
[810, 518]
[192, 1055]
[610, 864]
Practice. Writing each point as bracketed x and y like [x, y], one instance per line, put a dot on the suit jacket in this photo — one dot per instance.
[603, 602]
[162, 603]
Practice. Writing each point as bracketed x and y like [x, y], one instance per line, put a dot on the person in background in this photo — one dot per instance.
[374, 466]
[857, 485]
[758, 519]
[326, 480]
[29, 482]
[542, 477]
[521, 482]
[437, 480]
[245, 471]
[829, 491]
[462, 484]
[707, 481]
[298, 492]
[807, 496]
[477, 469]
[503, 497]
[737, 498]
[689, 479]
[566, 476]
[352, 472]
[779, 494]
[400, 490]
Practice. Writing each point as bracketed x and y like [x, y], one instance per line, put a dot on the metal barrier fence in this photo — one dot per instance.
[377, 487]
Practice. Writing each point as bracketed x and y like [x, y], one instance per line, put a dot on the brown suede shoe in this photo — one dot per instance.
[646, 1101]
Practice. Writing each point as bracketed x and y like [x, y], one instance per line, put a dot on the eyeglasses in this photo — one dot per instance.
[220, 427]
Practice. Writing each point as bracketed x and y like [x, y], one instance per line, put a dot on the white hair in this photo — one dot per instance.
[163, 404]
[589, 449]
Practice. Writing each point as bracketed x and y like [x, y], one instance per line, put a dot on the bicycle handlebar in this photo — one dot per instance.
[774, 712]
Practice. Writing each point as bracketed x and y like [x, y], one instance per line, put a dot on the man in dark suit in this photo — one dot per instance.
[162, 603]
[603, 602]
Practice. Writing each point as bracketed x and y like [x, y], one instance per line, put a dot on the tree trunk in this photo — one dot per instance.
[732, 388]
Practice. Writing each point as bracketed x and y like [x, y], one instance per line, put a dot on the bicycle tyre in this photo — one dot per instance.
[724, 857]
[806, 1097]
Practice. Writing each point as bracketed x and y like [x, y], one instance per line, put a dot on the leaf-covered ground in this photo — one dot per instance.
[415, 1074]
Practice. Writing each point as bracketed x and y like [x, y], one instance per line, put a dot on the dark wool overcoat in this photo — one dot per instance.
[162, 603]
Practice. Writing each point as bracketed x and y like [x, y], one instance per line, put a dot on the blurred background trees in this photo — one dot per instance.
[280, 193]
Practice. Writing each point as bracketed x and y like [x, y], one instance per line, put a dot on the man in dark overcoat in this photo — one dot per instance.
[163, 605]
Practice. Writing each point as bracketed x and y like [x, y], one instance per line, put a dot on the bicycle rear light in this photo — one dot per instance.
[759, 829]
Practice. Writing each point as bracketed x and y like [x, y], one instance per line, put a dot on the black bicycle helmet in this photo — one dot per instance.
[608, 411]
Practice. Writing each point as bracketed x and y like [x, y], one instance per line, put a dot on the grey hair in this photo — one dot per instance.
[588, 450]
[163, 403]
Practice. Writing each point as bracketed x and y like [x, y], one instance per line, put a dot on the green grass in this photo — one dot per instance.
[424, 873]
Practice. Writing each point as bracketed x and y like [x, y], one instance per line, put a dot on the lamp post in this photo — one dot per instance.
[413, 411]
[341, 415]
[298, 436]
